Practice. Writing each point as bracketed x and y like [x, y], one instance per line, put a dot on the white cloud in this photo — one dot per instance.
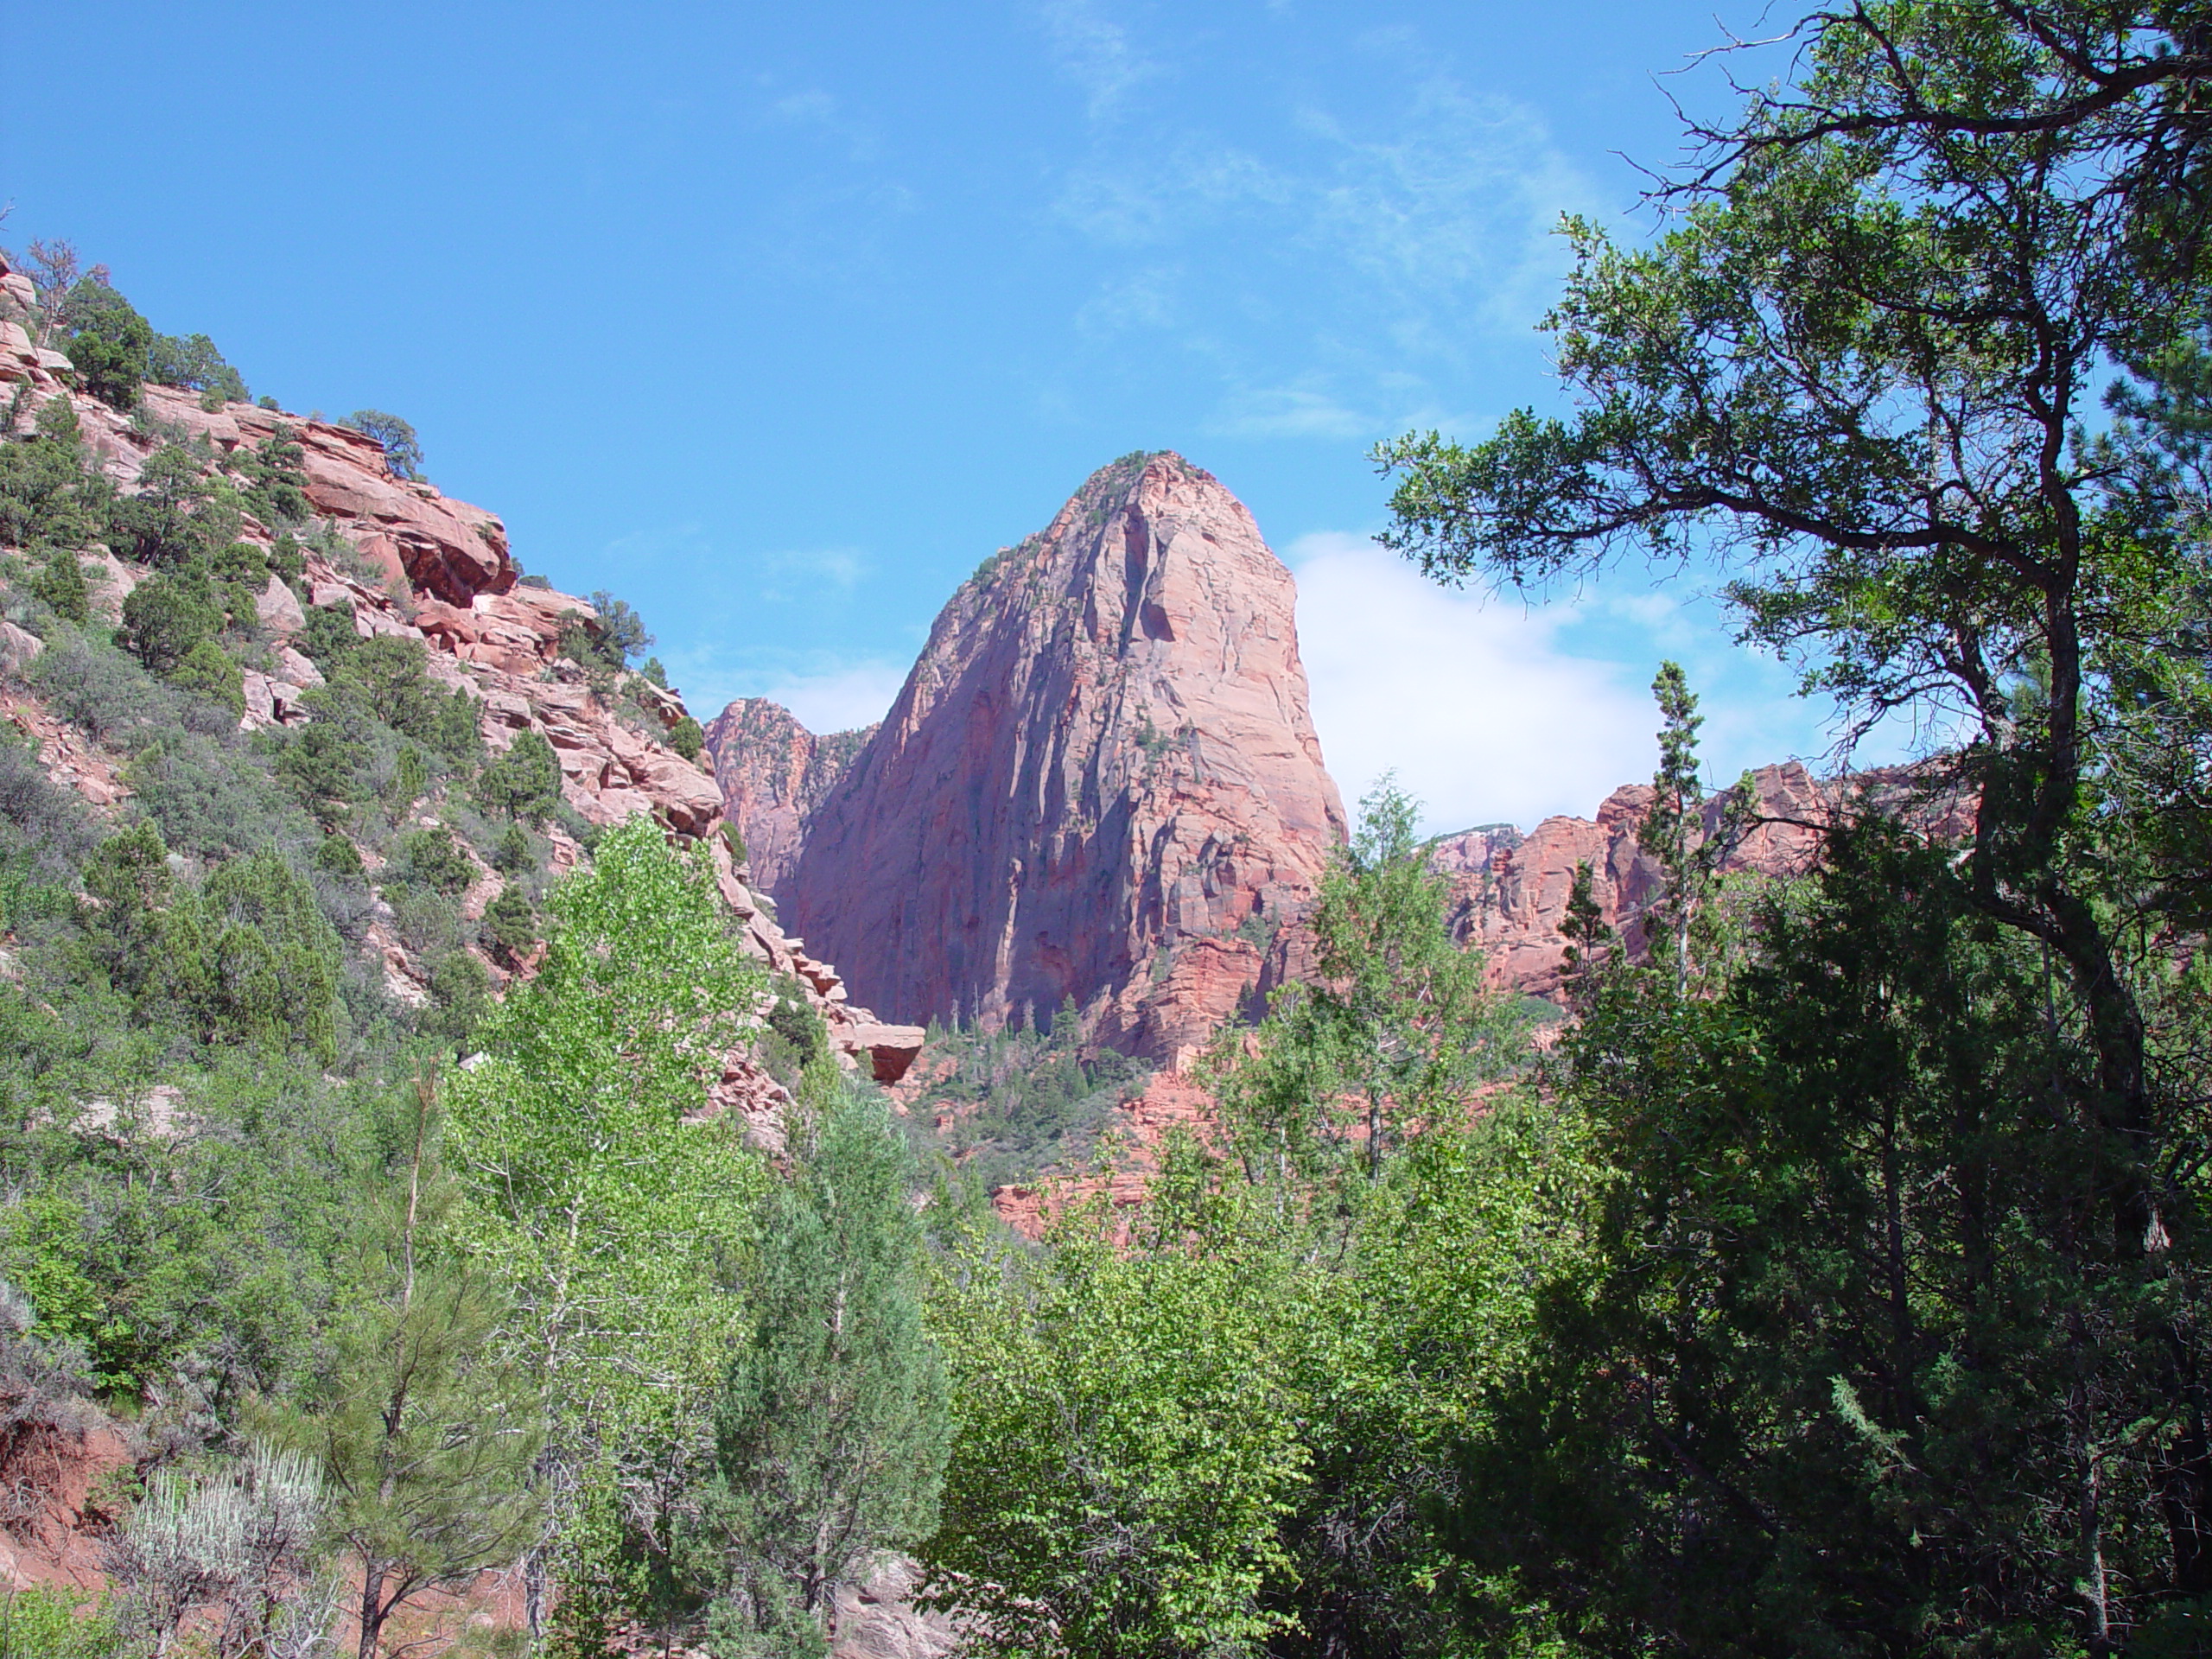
[1287, 412]
[1094, 52]
[839, 699]
[1472, 701]
[827, 693]
[841, 568]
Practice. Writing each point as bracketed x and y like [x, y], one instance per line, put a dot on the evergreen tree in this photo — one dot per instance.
[832, 1425]
[427, 1438]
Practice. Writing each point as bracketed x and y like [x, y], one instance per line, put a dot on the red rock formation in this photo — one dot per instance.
[1101, 769]
[773, 772]
[418, 564]
[1510, 891]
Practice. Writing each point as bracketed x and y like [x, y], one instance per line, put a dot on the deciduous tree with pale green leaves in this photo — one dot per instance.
[596, 1184]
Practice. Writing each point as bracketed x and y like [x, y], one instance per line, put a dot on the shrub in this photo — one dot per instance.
[166, 523]
[402, 451]
[166, 616]
[510, 926]
[433, 858]
[337, 856]
[213, 796]
[194, 363]
[112, 345]
[621, 631]
[735, 842]
[276, 477]
[513, 854]
[209, 669]
[285, 560]
[329, 636]
[460, 995]
[252, 958]
[45, 499]
[524, 782]
[687, 737]
[59, 585]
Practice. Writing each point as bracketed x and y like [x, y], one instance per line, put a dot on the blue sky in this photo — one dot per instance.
[776, 321]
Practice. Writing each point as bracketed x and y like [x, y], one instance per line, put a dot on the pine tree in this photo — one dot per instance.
[834, 1421]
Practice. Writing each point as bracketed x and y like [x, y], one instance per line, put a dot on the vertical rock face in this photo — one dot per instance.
[1100, 782]
[773, 772]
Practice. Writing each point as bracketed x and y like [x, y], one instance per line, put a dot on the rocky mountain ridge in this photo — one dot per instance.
[1100, 782]
[415, 564]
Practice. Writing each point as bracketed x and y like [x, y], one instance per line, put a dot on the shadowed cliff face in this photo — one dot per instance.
[773, 772]
[1101, 780]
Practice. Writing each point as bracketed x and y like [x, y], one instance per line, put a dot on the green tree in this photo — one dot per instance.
[687, 737]
[831, 1426]
[110, 344]
[622, 633]
[1395, 1029]
[192, 363]
[1126, 1456]
[212, 671]
[402, 450]
[601, 1189]
[428, 1437]
[165, 521]
[1907, 1240]
[166, 616]
[524, 782]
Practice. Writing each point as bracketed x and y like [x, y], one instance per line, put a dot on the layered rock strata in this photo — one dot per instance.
[772, 773]
[1100, 781]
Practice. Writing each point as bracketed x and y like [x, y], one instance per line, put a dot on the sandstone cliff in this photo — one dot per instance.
[1100, 782]
[1509, 890]
[773, 772]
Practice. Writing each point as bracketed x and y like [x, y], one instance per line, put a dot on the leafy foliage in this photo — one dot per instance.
[402, 450]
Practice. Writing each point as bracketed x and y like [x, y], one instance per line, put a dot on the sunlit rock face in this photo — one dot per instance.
[1100, 781]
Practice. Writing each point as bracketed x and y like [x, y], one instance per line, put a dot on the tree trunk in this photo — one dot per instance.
[372, 1607]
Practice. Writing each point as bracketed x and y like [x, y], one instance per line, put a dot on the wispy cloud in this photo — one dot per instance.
[803, 573]
[1289, 412]
[1095, 53]
[1390, 245]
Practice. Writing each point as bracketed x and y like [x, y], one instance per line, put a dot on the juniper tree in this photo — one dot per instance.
[833, 1420]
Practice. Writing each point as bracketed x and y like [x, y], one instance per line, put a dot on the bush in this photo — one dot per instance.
[59, 585]
[687, 737]
[329, 636]
[337, 856]
[170, 520]
[434, 859]
[209, 669]
[524, 782]
[214, 797]
[112, 345]
[402, 451]
[165, 616]
[511, 926]
[46, 497]
[40, 1623]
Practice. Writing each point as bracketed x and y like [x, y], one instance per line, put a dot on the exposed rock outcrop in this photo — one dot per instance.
[1100, 782]
[773, 772]
[1509, 890]
[416, 563]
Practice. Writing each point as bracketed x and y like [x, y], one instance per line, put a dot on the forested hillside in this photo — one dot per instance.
[1831, 1280]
